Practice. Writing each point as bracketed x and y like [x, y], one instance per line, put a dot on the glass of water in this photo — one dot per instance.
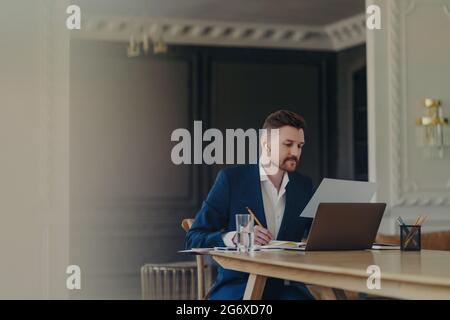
[244, 232]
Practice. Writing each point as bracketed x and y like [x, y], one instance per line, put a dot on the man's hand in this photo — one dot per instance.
[262, 235]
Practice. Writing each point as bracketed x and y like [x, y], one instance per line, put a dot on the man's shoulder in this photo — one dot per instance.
[300, 178]
[239, 171]
[246, 170]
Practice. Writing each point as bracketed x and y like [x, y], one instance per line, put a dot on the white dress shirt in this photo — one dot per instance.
[274, 204]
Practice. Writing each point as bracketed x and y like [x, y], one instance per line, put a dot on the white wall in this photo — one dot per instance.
[408, 60]
[34, 155]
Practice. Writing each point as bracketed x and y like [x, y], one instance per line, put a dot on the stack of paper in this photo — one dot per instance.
[274, 244]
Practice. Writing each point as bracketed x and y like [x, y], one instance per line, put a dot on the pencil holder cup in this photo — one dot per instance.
[410, 238]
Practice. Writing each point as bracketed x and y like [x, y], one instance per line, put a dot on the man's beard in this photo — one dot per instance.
[287, 167]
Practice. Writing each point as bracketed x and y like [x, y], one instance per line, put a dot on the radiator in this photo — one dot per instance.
[172, 281]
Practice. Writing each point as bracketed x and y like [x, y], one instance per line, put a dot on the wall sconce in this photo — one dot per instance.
[433, 128]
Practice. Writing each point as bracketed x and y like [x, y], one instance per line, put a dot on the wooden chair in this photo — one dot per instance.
[186, 225]
[325, 293]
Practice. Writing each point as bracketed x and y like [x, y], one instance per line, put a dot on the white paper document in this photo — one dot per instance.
[197, 250]
[384, 247]
[339, 191]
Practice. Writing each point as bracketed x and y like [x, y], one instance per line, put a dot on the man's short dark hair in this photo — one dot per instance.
[283, 118]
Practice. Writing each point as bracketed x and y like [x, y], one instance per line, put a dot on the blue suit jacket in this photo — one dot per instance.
[236, 188]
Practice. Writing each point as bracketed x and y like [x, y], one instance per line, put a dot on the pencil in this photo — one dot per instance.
[254, 217]
[419, 221]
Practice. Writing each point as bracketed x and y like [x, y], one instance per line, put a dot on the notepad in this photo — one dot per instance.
[278, 244]
[381, 246]
[196, 250]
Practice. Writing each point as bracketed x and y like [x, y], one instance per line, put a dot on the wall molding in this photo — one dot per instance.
[411, 6]
[395, 93]
[337, 36]
[45, 136]
[348, 32]
[52, 107]
[446, 10]
[405, 191]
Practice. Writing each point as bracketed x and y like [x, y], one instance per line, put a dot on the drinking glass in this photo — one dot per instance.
[244, 232]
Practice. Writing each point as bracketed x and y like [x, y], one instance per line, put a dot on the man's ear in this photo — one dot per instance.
[264, 142]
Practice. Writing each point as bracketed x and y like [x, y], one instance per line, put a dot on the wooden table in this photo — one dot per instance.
[405, 275]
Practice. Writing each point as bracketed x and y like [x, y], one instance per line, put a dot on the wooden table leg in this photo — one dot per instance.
[326, 293]
[255, 287]
[340, 294]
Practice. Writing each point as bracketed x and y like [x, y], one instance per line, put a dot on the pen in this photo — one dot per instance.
[225, 248]
[400, 221]
[254, 217]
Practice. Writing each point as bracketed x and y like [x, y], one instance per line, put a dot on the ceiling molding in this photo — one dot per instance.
[347, 33]
[337, 36]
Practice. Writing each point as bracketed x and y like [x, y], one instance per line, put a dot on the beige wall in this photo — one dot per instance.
[34, 156]
[408, 60]
[127, 198]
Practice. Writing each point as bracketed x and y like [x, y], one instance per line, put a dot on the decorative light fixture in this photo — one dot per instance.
[159, 47]
[434, 129]
[135, 47]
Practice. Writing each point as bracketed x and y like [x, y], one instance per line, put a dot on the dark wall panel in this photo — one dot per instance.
[349, 62]
[127, 197]
[248, 85]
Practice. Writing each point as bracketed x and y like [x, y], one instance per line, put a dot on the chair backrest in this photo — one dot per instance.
[439, 240]
[186, 224]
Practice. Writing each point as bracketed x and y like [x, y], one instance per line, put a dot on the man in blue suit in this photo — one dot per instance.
[275, 192]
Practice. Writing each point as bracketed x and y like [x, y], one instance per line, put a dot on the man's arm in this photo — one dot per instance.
[207, 229]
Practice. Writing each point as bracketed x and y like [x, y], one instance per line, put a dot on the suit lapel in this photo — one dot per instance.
[294, 198]
[256, 203]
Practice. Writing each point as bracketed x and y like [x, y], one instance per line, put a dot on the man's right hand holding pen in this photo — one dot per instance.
[261, 234]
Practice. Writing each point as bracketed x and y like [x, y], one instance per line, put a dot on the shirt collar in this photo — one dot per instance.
[285, 181]
[262, 173]
[263, 177]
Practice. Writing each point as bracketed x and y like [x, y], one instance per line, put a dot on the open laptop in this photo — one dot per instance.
[345, 226]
